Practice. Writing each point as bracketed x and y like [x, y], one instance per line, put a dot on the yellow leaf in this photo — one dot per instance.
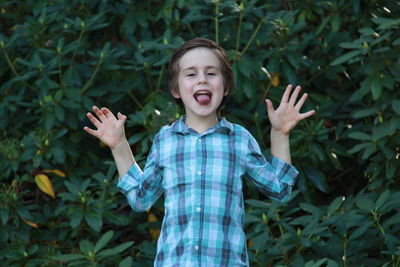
[275, 79]
[30, 223]
[151, 217]
[44, 184]
[56, 172]
[155, 233]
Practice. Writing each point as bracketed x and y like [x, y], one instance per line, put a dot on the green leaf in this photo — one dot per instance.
[366, 31]
[323, 24]
[94, 220]
[59, 113]
[260, 240]
[396, 106]
[360, 231]
[376, 87]
[245, 67]
[382, 199]
[360, 136]
[358, 148]
[317, 178]
[332, 263]
[69, 257]
[334, 206]
[385, 23]
[395, 219]
[4, 214]
[365, 204]
[127, 262]
[364, 113]
[320, 262]
[76, 218]
[85, 246]
[308, 207]
[103, 241]
[290, 74]
[346, 57]
[336, 22]
[316, 264]
[390, 167]
[116, 250]
[258, 203]
[352, 45]
[369, 150]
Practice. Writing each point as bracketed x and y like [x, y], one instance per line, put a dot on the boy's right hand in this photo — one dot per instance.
[110, 130]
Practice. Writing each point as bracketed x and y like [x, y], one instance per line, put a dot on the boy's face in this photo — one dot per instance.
[201, 85]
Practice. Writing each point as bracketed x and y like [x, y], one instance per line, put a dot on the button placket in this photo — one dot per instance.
[197, 195]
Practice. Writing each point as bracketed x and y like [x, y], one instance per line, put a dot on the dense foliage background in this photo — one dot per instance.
[58, 201]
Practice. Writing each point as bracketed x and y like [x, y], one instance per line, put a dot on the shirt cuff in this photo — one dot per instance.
[129, 180]
[287, 173]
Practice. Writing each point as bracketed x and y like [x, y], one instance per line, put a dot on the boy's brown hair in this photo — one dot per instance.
[219, 52]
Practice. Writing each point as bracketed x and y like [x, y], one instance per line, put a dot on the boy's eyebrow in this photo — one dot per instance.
[194, 68]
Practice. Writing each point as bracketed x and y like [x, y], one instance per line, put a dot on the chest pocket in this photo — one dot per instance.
[176, 175]
[224, 168]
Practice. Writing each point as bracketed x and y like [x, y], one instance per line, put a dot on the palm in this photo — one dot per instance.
[110, 130]
[287, 115]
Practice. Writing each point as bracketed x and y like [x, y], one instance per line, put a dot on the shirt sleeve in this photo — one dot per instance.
[143, 188]
[273, 177]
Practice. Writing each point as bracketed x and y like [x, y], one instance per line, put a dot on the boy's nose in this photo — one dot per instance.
[202, 78]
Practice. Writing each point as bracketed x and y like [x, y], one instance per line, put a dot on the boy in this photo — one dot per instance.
[199, 162]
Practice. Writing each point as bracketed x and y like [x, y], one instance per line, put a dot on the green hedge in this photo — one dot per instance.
[61, 57]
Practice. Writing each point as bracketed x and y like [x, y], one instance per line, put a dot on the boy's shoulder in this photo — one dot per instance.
[240, 130]
[179, 126]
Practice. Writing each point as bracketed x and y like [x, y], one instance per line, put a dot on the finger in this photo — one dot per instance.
[94, 120]
[294, 96]
[107, 113]
[307, 114]
[301, 101]
[286, 94]
[99, 113]
[90, 131]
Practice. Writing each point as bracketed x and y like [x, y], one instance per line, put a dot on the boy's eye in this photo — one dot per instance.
[211, 73]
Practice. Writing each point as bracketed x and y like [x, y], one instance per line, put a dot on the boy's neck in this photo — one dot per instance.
[201, 124]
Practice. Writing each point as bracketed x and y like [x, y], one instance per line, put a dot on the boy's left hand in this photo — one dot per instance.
[287, 115]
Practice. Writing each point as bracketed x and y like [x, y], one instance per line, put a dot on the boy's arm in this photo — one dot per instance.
[280, 146]
[142, 188]
[110, 130]
[284, 119]
[123, 157]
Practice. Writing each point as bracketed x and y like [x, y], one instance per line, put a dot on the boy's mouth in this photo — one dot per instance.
[203, 97]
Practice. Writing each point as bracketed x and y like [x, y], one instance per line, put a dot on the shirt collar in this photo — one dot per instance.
[181, 127]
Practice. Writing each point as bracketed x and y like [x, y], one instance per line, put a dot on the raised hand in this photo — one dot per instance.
[110, 130]
[287, 115]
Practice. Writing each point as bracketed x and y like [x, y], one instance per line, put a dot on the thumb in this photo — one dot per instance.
[121, 117]
[270, 107]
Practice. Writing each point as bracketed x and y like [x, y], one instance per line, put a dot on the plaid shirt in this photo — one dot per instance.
[201, 178]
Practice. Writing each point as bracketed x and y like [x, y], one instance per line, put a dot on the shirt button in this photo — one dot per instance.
[198, 209]
[199, 173]
[196, 247]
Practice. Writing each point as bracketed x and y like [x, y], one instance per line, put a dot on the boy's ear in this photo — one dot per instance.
[175, 94]
[226, 92]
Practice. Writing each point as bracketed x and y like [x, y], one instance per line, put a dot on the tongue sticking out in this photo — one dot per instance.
[203, 99]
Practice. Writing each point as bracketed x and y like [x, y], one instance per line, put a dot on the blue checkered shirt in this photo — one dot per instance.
[201, 176]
